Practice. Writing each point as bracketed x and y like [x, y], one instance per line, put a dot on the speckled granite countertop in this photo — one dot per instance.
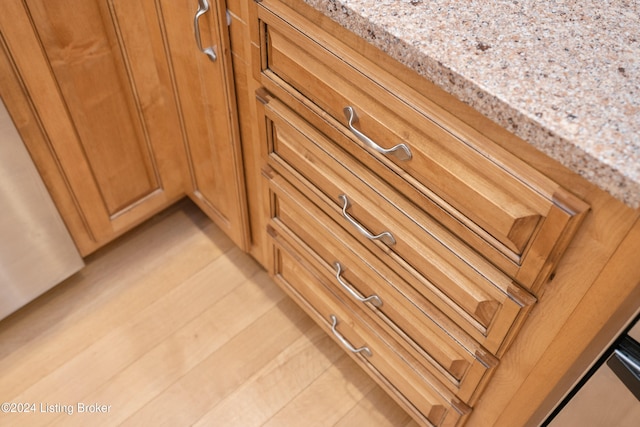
[563, 75]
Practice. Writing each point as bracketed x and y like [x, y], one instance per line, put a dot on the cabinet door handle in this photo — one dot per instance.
[400, 151]
[203, 7]
[343, 340]
[374, 299]
[384, 237]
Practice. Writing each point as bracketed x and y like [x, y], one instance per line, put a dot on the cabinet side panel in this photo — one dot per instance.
[572, 310]
[246, 86]
[612, 299]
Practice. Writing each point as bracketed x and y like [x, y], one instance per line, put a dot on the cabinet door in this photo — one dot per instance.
[206, 97]
[97, 75]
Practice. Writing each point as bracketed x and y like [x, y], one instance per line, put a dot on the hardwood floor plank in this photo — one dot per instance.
[98, 299]
[188, 398]
[126, 344]
[149, 375]
[375, 409]
[328, 398]
[270, 389]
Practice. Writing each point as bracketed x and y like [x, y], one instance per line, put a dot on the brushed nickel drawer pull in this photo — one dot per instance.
[203, 7]
[384, 237]
[374, 299]
[343, 340]
[400, 151]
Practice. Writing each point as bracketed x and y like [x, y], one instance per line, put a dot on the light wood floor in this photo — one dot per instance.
[172, 325]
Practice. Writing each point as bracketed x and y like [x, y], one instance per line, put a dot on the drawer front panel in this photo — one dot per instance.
[476, 189]
[448, 352]
[457, 279]
[302, 281]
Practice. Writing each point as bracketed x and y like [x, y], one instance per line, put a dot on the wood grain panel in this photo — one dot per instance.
[96, 75]
[81, 42]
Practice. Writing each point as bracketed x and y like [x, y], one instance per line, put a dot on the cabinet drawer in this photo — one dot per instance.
[449, 353]
[412, 386]
[490, 198]
[483, 300]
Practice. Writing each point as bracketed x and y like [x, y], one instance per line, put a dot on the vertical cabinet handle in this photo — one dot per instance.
[374, 299]
[203, 7]
[400, 151]
[343, 340]
[384, 237]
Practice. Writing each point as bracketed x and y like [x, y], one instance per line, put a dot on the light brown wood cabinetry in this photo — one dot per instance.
[97, 78]
[206, 97]
[122, 112]
[422, 219]
[435, 404]
[481, 275]
[459, 362]
[482, 299]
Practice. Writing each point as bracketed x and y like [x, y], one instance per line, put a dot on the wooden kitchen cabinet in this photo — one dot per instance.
[97, 79]
[205, 94]
[438, 204]
[122, 113]
[408, 188]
